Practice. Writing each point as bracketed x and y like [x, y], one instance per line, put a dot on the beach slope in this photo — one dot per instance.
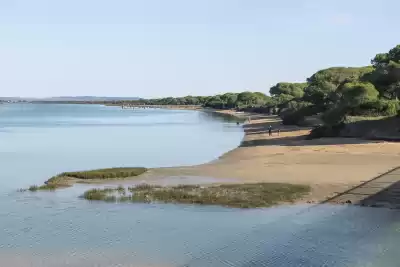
[328, 165]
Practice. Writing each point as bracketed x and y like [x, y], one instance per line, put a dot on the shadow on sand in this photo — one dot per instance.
[300, 140]
[381, 191]
[353, 134]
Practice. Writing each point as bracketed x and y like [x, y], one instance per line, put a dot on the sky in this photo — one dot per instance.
[156, 48]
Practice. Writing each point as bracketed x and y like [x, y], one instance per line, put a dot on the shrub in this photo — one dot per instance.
[335, 115]
[356, 93]
[297, 111]
[376, 108]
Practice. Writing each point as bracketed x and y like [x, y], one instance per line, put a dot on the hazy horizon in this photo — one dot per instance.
[157, 48]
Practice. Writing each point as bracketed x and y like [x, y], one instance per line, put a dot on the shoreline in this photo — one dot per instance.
[329, 166]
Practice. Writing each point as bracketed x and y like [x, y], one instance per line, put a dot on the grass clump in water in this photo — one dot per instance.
[66, 179]
[49, 187]
[96, 194]
[109, 173]
[229, 195]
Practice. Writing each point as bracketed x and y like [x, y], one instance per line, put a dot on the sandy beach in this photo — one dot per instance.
[329, 165]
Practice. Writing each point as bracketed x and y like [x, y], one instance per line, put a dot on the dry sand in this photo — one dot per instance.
[328, 165]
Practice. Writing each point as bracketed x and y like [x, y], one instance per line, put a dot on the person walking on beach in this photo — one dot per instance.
[270, 130]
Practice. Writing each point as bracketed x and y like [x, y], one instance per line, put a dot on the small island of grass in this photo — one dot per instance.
[66, 179]
[229, 195]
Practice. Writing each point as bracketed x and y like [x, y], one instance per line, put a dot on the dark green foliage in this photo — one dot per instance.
[339, 75]
[224, 101]
[319, 94]
[106, 173]
[335, 115]
[357, 93]
[296, 112]
[340, 92]
[229, 100]
[229, 195]
[215, 102]
[290, 90]
[380, 107]
[323, 84]
[386, 76]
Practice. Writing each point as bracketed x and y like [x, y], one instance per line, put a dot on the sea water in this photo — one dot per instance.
[60, 229]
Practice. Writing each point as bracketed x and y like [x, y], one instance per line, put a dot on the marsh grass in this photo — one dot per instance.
[66, 179]
[106, 173]
[229, 195]
[49, 187]
[95, 194]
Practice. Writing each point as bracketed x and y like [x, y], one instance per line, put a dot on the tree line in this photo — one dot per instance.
[331, 93]
[341, 91]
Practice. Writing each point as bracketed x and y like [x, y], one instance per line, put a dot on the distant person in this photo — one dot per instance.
[270, 130]
[237, 123]
[279, 132]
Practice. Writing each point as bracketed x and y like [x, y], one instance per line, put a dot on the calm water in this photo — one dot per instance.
[59, 229]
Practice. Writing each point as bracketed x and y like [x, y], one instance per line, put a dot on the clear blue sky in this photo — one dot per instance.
[153, 48]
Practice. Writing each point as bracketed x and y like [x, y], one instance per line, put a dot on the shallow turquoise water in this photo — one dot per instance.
[59, 229]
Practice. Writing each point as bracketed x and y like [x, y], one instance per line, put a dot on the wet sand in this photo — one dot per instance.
[329, 165]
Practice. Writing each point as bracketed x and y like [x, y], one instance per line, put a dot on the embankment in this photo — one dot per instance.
[387, 129]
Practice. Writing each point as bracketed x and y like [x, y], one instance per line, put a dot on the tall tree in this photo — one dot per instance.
[356, 93]
[293, 90]
[386, 76]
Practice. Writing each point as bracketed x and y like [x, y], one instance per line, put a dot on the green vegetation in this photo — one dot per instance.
[105, 173]
[49, 187]
[330, 94]
[65, 179]
[288, 91]
[337, 93]
[224, 101]
[229, 195]
[101, 194]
